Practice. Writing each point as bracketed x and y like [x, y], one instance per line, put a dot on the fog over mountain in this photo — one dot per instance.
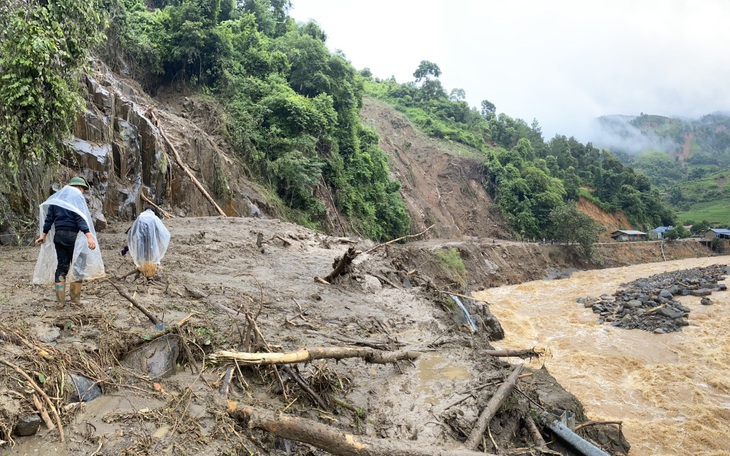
[615, 132]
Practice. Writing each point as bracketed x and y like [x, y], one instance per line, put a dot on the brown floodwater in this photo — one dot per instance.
[672, 391]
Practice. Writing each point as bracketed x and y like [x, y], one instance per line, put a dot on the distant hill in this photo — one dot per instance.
[688, 159]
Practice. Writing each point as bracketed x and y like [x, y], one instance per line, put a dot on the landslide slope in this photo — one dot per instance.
[441, 181]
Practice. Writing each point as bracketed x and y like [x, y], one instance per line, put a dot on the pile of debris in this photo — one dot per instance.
[649, 303]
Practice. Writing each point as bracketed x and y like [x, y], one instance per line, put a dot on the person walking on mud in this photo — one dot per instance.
[147, 241]
[67, 220]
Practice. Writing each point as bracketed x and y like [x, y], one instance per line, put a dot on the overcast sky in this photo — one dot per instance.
[562, 62]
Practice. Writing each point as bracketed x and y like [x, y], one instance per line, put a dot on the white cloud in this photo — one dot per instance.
[563, 62]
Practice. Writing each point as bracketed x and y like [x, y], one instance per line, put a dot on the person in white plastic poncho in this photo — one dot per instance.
[147, 241]
[65, 219]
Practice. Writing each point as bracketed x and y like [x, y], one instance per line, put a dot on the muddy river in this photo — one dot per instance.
[672, 391]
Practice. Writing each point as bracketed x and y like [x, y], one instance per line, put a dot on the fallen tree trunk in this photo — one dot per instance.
[490, 410]
[308, 354]
[333, 440]
[527, 353]
[342, 264]
[183, 166]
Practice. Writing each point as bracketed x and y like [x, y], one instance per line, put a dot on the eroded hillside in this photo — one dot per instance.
[441, 184]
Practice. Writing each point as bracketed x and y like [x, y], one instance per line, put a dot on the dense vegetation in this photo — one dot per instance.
[292, 112]
[528, 177]
[291, 106]
[42, 48]
[688, 160]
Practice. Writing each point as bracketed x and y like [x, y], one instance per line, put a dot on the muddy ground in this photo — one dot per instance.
[242, 297]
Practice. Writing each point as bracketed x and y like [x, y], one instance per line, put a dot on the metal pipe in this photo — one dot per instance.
[564, 432]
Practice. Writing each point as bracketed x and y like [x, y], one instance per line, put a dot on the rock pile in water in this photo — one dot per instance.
[649, 303]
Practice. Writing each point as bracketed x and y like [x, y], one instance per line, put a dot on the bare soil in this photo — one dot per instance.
[228, 291]
[229, 287]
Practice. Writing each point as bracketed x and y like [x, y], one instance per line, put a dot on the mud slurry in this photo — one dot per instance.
[216, 289]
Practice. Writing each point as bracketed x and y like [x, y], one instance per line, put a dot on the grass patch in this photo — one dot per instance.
[451, 259]
[715, 212]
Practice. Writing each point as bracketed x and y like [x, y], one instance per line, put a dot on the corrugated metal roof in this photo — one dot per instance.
[629, 232]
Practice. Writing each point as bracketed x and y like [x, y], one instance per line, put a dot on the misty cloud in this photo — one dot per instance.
[563, 62]
[617, 133]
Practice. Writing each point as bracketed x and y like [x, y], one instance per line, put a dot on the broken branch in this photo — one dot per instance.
[129, 298]
[398, 239]
[184, 167]
[308, 354]
[526, 353]
[162, 211]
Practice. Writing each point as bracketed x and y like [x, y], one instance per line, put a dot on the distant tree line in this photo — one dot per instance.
[534, 182]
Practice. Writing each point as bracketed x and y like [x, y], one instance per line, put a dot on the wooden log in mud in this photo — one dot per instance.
[342, 264]
[336, 441]
[139, 306]
[308, 354]
[526, 353]
[491, 409]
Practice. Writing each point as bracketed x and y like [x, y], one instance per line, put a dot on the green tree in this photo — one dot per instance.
[425, 70]
[488, 109]
[457, 95]
[43, 47]
[570, 225]
[272, 16]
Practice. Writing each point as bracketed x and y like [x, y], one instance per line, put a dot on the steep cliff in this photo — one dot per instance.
[125, 144]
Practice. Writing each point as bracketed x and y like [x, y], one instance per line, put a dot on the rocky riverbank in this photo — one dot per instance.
[649, 304]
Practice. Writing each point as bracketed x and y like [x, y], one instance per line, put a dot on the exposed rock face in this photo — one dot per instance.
[123, 153]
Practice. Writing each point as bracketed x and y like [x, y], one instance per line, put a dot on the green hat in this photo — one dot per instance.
[78, 182]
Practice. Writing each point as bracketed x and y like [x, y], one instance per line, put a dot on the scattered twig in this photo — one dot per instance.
[41, 393]
[44, 413]
[305, 386]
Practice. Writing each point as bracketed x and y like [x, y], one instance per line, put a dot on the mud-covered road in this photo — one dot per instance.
[229, 293]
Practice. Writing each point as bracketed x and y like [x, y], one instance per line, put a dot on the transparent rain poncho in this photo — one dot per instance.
[86, 263]
[147, 240]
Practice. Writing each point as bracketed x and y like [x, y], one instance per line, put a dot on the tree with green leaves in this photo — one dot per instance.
[488, 109]
[571, 226]
[43, 48]
[457, 95]
[425, 70]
